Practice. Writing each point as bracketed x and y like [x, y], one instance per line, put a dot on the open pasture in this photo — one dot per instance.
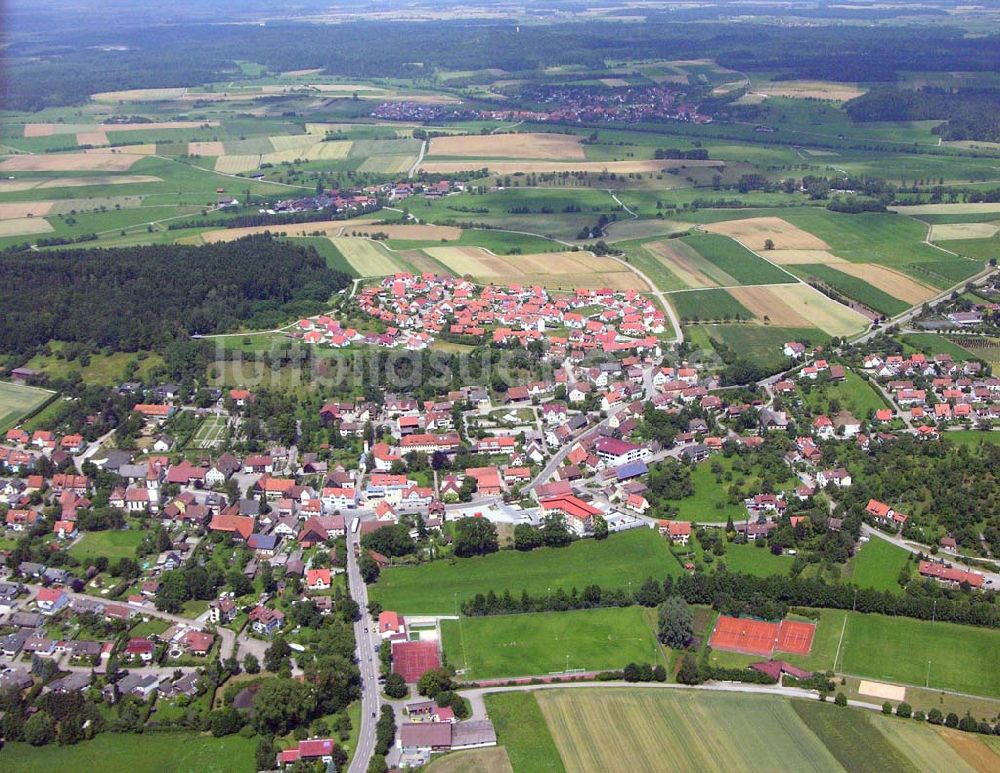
[754, 232]
[439, 587]
[17, 401]
[565, 270]
[528, 145]
[70, 162]
[24, 226]
[799, 306]
[541, 643]
[675, 731]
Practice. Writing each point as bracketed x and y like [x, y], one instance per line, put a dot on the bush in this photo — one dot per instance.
[951, 720]
[887, 709]
[904, 710]
[935, 717]
[841, 699]
[919, 715]
[395, 686]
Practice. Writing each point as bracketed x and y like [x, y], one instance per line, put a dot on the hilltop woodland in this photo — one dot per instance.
[134, 298]
[968, 114]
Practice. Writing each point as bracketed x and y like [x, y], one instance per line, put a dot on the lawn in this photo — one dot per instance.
[763, 344]
[674, 730]
[439, 587]
[710, 501]
[932, 344]
[17, 401]
[133, 753]
[707, 305]
[878, 564]
[736, 260]
[760, 562]
[521, 729]
[853, 394]
[111, 544]
[852, 737]
[545, 642]
[941, 655]
[971, 437]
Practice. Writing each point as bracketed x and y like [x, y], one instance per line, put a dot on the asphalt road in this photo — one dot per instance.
[368, 663]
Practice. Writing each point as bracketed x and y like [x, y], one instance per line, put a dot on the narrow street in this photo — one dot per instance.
[366, 636]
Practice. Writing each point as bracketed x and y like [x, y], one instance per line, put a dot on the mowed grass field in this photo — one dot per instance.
[440, 587]
[878, 564]
[132, 753]
[622, 729]
[541, 643]
[112, 544]
[939, 655]
[853, 394]
[17, 401]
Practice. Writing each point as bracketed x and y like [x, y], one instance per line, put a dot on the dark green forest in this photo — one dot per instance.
[969, 114]
[135, 298]
[41, 73]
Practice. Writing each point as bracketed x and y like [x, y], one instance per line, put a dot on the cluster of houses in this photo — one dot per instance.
[335, 202]
[417, 309]
[936, 390]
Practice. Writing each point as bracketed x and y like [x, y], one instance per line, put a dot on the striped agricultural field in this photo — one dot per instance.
[368, 258]
[687, 264]
[237, 164]
[800, 306]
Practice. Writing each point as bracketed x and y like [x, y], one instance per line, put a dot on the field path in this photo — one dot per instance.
[419, 161]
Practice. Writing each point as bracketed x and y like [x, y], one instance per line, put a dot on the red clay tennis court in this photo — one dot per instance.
[796, 637]
[756, 637]
[412, 659]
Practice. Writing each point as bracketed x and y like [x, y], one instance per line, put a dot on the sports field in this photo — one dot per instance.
[560, 270]
[439, 587]
[940, 655]
[878, 564]
[542, 643]
[16, 401]
[757, 637]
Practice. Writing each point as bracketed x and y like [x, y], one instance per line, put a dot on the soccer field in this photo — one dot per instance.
[16, 401]
[541, 643]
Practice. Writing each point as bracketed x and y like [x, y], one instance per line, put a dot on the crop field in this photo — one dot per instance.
[545, 642]
[853, 287]
[319, 151]
[674, 730]
[736, 261]
[538, 167]
[753, 232]
[800, 306]
[368, 258]
[708, 305]
[972, 208]
[208, 148]
[134, 753]
[805, 89]
[438, 587]
[937, 748]
[943, 232]
[939, 655]
[69, 162]
[522, 731]
[561, 270]
[24, 209]
[889, 281]
[851, 736]
[17, 401]
[878, 564]
[387, 164]
[24, 226]
[528, 145]
[236, 164]
[138, 95]
[492, 760]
